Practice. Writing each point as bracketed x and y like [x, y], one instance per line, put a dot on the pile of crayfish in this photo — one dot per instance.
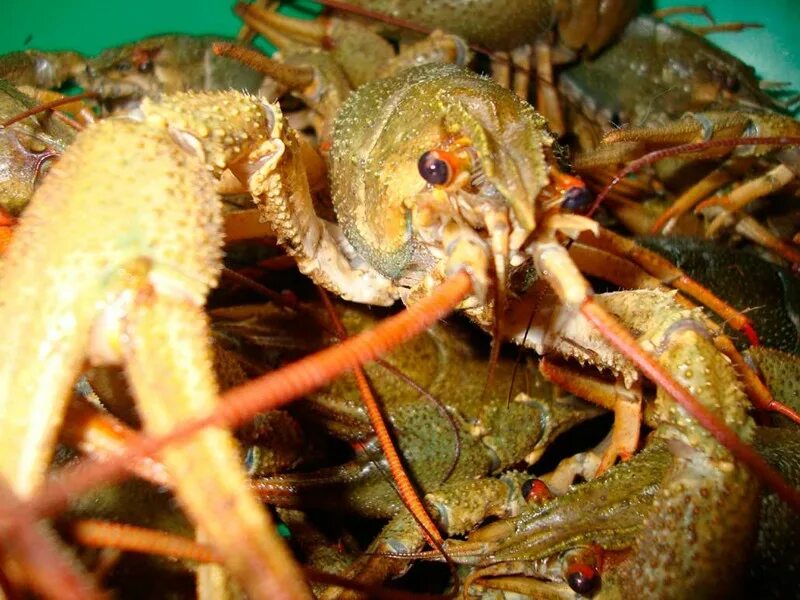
[433, 302]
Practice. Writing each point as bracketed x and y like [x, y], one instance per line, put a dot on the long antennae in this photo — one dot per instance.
[268, 391]
[35, 110]
[405, 489]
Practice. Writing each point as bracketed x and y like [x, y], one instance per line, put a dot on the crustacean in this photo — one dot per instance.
[164, 64]
[444, 363]
[557, 544]
[446, 147]
[110, 74]
[696, 479]
[669, 71]
[550, 547]
[25, 149]
[558, 549]
[141, 290]
[463, 437]
[117, 79]
[41, 70]
[524, 34]
[699, 485]
[468, 199]
[681, 89]
[121, 76]
[353, 175]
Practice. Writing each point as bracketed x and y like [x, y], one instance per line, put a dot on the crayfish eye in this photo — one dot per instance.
[145, 67]
[435, 168]
[536, 490]
[576, 199]
[582, 578]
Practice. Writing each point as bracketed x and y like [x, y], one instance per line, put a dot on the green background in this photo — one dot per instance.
[91, 25]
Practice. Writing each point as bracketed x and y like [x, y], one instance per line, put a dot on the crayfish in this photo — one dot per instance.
[446, 188]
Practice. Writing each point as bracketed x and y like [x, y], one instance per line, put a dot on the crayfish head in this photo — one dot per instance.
[439, 168]
[123, 75]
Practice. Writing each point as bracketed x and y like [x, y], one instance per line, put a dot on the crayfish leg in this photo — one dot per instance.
[170, 370]
[547, 101]
[246, 33]
[709, 184]
[626, 402]
[754, 231]
[553, 260]
[671, 275]
[744, 194]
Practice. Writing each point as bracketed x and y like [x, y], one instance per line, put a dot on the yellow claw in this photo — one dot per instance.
[112, 262]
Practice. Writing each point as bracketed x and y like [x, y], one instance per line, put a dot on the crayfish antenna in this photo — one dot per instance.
[53, 104]
[293, 77]
[268, 391]
[405, 489]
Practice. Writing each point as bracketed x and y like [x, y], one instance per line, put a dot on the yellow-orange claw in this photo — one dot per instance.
[125, 293]
[170, 370]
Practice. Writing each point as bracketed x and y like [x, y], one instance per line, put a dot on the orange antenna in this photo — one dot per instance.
[49, 106]
[268, 391]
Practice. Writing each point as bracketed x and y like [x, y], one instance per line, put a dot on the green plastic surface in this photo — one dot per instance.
[91, 25]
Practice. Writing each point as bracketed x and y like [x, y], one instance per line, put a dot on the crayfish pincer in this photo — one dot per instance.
[112, 262]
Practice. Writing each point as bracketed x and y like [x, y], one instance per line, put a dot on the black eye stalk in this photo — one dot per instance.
[435, 167]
